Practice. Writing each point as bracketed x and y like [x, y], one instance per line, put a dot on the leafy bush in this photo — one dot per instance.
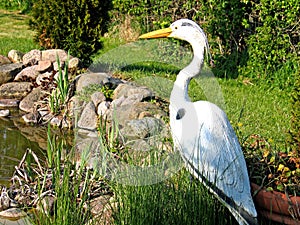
[295, 122]
[276, 38]
[23, 5]
[74, 25]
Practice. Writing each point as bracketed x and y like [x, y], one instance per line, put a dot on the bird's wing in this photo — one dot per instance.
[209, 145]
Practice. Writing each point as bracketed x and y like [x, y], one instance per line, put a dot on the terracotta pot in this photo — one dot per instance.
[277, 206]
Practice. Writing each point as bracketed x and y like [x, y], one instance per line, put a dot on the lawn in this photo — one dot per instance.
[15, 33]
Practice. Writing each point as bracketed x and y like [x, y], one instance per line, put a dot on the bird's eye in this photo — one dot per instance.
[176, 28]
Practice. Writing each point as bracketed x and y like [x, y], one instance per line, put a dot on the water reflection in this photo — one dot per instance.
[15, 138]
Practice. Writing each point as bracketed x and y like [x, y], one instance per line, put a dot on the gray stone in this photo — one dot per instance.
[128, 90]
[52, 54]
[88, 79]
[28, 104]
[12, 213]
[132, 99]
[136, 111]
[4, 113]
[7, 103]
[142, 128]
[43, 78]
[32, 58]
[31, 118]
[4, 60]
[28, 73]
[15, 56]
[88, 148]
[9, 71]
[73, 63]
[44, 65]
[15, 90]
[103, 109]
[56, 67]
[88, 118]
[97, 98]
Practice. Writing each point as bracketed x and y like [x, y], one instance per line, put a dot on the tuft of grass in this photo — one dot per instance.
[70, 187]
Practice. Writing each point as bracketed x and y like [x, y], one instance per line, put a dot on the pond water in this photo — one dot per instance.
[15, 138]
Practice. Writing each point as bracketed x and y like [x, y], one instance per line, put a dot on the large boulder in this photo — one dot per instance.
[15, 90]
[28, 104]
[52, 54]
[29, 73]
[88, 119]
[32, 58]
[15, 56]
[4, 60]
[87, 79]
[9, 71]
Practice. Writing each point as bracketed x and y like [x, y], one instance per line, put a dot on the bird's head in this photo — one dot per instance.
[183, 29]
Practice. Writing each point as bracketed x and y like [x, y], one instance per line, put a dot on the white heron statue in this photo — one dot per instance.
[203, 134]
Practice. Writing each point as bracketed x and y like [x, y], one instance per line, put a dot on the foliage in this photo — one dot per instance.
[23, 5]
[70, 186]
[72, 25]
[276, 38]
[59, 96]
[295, 121]
[275, 169]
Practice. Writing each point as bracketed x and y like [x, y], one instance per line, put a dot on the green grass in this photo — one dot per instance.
[15, 33]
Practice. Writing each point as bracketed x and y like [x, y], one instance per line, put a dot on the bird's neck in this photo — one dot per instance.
[179, 93]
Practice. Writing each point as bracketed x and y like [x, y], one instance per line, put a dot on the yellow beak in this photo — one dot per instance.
[157, 34]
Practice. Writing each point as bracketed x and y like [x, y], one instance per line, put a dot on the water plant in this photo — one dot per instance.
[59, 96]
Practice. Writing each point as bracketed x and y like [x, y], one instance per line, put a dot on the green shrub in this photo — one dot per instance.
[74, 25]
[295, 121]
[23, 5]
[276, 38]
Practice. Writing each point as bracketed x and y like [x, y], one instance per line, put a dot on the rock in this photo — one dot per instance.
[29, 73]
[98, 204]
[56, 67]
[132, 99]
[15, 90]
[43, 78]
[15, 56]
[88, 79]
[4, 113]
[128, 90]
[32, 58]
[91, 149]
[9, 71]
[55, 121]
[6, 103]
[103, 109]
[28, 104]
[73, 63]
[44, 65]
[136, 111]
[97, 98]
[31, 117]
[52, 54]
[13, 213]
[142, 128]
[4, 60]
[46, 205]
[88, 118]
